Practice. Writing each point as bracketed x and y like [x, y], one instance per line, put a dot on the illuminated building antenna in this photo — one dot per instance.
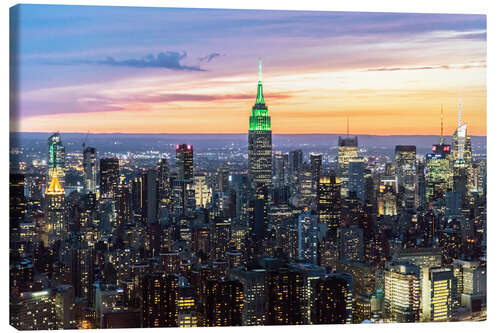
[347, 125]
[260, 70]
[441, 141]
[460, 112]
[260, 93]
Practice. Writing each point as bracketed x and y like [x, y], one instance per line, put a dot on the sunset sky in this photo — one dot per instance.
[160, 70]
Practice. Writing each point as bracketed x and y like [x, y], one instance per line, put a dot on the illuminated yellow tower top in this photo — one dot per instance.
[54, 186]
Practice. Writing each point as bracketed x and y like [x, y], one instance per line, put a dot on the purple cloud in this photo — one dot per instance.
[210, 57]
[168, 60]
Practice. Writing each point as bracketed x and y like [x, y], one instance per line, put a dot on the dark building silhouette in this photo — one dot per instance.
[224, 303]
[110, 177]
[333, 299]
[159, 305]
[286, 298]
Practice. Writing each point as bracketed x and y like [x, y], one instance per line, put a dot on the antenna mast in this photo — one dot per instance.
[441, 142]
[260, 70]
[460, 112]
[347, 125]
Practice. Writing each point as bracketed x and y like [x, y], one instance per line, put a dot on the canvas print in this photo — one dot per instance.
[177, 167]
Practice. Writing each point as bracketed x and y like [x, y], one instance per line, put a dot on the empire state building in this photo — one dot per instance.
[260, 141]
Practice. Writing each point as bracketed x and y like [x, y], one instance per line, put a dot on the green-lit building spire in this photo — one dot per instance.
[260, 120]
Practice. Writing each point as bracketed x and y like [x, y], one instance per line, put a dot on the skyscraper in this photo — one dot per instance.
[90, 169]
[402, 292]
[308, 238]
[295, 160]
[184, 162]
[333, 299]
[316, 161]
[55, 211]
[149, 196]
[224, 303]
[184, 189]
[286, 298]
[260, 141]
[160, 297]
[356, 178]
[350, 242]
[438, 176]
[405, 158]
[439, 288]
[164, 190]
[17, 202]
[329, 202]
[348, 149]
[110, 177]
[56, 164]
[461, 143]
[254, 292]
[280, 168]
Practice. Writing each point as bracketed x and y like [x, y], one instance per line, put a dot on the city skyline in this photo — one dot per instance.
[121, 230]
[389, 76]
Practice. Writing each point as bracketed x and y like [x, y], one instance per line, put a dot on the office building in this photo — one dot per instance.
[90, 169]
[405, 159]
[224, 303]
[402, 292]
[316, 163]
[348, 149]
[260, 141]
[110, 177]
[329, 202]
[159, 303]
[356, 178]
[333, 299]
[438, 293]
[184, 161]
[308, 238]
[55, 212]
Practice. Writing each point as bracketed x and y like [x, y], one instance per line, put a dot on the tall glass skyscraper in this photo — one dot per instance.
[348, 149]
[260, 141]
[405, 158]
[90, 169]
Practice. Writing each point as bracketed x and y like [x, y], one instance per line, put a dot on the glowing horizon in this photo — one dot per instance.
[389, 73]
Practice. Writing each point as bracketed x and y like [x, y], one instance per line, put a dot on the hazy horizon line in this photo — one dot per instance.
[242, 133]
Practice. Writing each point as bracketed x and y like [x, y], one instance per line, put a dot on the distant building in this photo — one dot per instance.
[254, 295]
[90, 169]
[316, 162]
[350, 240]
[356, 178]
[348, 149]
[34, 311]
[110, 177]
[160, 297]
[405, 159]
[402, 292]
[333, 299]
[438, 293]
[308, 238]
[184, 162]
[164, 189]
[329, 202]
[286, 297]
[224, 303]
